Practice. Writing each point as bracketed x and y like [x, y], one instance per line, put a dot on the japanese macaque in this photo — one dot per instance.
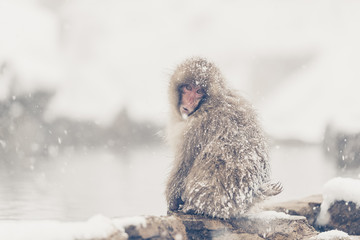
[221, 165]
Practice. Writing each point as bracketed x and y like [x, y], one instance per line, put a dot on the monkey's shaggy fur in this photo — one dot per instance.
[221, 163]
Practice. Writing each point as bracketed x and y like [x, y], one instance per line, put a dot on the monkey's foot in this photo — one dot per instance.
[271, 189]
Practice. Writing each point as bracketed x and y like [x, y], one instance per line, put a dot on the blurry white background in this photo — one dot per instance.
[83, 91]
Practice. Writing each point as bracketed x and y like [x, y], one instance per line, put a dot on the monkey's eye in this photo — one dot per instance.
[200, 91]
[188, 87]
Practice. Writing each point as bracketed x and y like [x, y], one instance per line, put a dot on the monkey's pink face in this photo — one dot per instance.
[191, 96]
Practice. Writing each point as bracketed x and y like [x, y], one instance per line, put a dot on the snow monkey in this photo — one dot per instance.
[221, 163]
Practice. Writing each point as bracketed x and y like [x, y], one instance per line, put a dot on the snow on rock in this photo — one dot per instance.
[121, 223]
[331, 235]
[338, 189]
[270, 215]
[95, 228]
[308, 207]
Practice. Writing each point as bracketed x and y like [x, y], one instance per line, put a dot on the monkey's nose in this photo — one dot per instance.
[185, 109]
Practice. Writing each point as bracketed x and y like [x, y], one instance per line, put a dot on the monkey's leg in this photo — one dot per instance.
[211, 189]
[271, 189]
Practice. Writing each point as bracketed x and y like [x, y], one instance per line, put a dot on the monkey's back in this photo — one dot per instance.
[230, 163]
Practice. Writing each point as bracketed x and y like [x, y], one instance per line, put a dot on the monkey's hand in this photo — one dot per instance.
[271, 189]
[174, 190]
[175, 203]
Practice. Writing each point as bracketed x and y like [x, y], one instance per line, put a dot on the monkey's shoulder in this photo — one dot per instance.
[231, 116]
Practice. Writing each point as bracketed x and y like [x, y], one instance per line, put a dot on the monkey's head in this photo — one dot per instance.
[195, 83]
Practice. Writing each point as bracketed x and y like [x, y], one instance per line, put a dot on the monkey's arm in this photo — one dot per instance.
[174, 190]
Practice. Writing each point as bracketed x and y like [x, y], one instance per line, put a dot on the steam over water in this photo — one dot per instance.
[78, 186]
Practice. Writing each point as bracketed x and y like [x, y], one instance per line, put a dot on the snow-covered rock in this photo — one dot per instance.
[263, 225]
[341, 215]
[340, 207]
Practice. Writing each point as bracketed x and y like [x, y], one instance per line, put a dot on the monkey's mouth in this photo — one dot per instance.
[186, 113]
